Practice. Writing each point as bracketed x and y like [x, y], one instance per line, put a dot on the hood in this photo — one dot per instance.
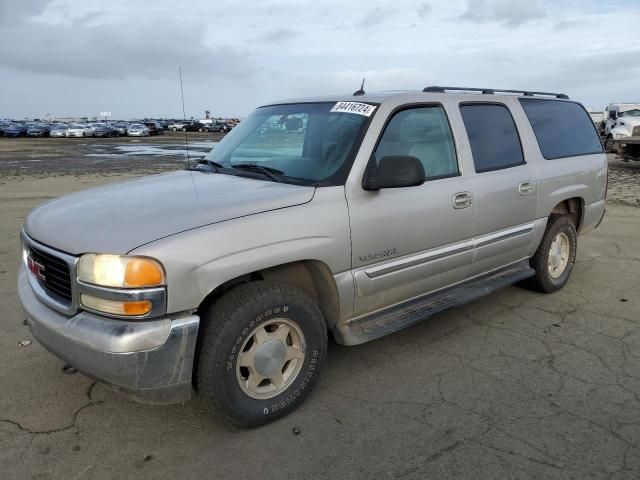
[118, 218]
[629, 121]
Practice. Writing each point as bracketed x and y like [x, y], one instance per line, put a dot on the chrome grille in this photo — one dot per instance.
[51, 274]
[55, 277]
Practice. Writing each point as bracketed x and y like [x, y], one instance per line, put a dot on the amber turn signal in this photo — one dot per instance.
[113, 307]
[143, 272]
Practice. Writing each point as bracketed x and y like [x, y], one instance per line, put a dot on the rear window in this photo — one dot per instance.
[563, 129]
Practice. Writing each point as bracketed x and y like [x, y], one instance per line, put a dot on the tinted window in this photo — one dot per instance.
[492, 133]
[563, 129]
[423, 133]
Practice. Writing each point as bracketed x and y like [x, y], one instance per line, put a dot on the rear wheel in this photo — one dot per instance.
[260, 352]
[554, 259]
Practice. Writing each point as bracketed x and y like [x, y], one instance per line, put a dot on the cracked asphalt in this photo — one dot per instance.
[514, 385]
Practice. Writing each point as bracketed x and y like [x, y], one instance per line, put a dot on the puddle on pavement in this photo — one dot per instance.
[196, 149]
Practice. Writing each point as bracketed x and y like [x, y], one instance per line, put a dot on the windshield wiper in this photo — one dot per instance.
[271, 173]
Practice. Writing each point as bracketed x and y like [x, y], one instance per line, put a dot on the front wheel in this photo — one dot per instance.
[609, 146]
[260, 352]
[554, 259]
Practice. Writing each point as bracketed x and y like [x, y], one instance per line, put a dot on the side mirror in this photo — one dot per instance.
[394, 171]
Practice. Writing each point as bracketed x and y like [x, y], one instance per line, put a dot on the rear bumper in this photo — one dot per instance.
[148, 361]
[627, 140]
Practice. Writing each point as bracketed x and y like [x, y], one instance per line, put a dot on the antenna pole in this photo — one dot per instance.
[361, 91]
[184, 118]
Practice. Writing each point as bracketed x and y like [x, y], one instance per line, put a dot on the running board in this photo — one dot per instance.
[401, 316]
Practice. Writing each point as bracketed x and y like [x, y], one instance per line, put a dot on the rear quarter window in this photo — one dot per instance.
[562, 129]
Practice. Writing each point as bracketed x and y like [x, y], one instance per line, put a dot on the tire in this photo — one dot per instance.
[229, 337]
[184, 129]
[549, 277]
[609, 146]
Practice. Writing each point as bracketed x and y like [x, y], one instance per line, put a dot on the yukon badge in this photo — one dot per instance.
[381, 254]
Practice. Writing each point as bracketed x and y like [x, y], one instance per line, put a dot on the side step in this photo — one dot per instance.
[395, 318]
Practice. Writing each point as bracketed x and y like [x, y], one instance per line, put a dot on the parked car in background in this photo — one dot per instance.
[120, 127]
[58, 130]
[15, 130]
[138, 130]
[622, 130]
[193, 127]
[219, 127]
[154, 128]
[3, 125]
[104, 130]
[176, 126]
[38, 130]
[79, 130]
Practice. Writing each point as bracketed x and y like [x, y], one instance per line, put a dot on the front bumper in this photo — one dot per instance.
[148, 361]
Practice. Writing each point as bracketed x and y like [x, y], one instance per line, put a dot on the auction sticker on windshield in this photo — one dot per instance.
[354, 107]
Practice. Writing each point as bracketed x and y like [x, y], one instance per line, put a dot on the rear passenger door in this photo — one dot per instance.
[505, 186]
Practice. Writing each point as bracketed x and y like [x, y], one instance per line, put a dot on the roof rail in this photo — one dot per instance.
[491, 91]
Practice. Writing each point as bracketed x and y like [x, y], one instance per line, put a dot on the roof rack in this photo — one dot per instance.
[491, 91]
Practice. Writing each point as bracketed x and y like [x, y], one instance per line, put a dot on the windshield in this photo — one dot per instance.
[630, 113]
[305, 143]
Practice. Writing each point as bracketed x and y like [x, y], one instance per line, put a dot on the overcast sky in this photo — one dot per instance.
[71, 57]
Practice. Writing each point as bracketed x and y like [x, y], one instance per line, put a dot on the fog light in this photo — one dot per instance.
[114, 307]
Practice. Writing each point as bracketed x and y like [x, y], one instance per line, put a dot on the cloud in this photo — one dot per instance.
[15, 12]
[508, 12]
[376, 15]
[280, 35]
[80, 58]
[143, 47]
[598, 68]
[424, 10]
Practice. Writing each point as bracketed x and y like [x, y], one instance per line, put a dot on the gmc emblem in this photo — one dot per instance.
[36, 268]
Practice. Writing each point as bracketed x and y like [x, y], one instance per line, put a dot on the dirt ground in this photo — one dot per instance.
[514, 385]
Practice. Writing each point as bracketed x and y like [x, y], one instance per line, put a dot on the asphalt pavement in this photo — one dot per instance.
[514, 385]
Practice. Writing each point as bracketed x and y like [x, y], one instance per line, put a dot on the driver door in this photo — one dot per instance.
[409, 241]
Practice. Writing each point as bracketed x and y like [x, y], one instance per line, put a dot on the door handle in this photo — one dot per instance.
[525, 188]
[462, 200]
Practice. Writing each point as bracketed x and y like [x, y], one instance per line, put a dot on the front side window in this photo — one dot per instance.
[563, 129]
[494, 139]
[305, 143]
[424, 133]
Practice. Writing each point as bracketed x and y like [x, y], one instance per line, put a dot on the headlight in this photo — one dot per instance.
[619, 135]
[120, 271]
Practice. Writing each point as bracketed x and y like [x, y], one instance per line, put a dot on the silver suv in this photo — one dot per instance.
[355, 215]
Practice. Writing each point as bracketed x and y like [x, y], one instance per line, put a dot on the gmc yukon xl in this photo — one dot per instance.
[354, 215]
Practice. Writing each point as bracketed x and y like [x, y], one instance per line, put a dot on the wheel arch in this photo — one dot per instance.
[313, 277]
[574, 207]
